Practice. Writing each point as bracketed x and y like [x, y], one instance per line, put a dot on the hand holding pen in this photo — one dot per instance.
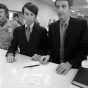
[44, 59]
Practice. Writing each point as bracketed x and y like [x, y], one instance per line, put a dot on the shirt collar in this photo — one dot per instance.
[31, 26]
[65, 21]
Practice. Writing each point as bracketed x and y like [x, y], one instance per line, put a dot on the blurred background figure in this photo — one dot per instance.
[21, 18]
[17, 20]
[5, 27]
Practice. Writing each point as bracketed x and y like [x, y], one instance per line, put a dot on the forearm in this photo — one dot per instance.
[77, 59]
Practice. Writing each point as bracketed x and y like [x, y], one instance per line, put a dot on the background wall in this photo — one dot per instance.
[46, 8]
[46, 12]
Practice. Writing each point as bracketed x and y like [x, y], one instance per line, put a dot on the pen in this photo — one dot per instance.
[31, 66]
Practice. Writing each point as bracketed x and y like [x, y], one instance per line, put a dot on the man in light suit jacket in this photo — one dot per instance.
[68, 38]
[5, 26]
[30, 38]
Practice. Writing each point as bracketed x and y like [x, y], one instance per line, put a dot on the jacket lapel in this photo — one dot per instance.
[69, 37]
[56, 34]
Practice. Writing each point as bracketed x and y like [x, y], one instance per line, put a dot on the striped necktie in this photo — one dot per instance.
[63, 27]
[28, 33]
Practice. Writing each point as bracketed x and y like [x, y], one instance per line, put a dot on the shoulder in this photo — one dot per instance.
[80, 21]
[54, 23]
[40, 28]
[19, 29]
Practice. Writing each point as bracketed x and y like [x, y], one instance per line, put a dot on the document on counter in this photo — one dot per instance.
[81, 78]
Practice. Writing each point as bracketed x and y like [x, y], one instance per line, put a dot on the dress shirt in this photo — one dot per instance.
[28, 31]
[63, 27]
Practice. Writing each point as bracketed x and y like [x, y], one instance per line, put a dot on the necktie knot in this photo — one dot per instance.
[27, 28]
[63, 25]
[28, 33]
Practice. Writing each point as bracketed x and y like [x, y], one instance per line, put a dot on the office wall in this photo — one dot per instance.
[46, 12]
[14, 4]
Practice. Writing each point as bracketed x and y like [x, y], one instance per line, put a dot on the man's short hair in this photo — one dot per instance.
[70, 2]
[2, 6]
[31, 7]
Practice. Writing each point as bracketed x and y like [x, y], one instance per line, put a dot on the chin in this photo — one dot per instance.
[61, 18]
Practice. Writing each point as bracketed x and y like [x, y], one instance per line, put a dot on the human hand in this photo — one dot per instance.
[36, 57]
[44, 59]
[10, 58]
[63, 68]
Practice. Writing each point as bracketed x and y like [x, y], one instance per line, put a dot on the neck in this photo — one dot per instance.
[64, 19]
[29, 26]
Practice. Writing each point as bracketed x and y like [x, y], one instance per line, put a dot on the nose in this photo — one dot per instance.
[60, 9]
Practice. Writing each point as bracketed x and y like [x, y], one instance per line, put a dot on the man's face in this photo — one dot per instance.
[63, 9]
[29, 16]
[2, 15]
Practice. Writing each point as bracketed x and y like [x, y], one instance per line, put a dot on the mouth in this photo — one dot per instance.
[61, 14]
[0, 17]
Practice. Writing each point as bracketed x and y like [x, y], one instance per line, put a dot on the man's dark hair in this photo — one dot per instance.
[31, 7]
[70, 2]
[2, 6]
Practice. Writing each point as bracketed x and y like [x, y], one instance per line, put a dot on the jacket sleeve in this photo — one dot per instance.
[83, 51]
[14, 43]
[43, 42]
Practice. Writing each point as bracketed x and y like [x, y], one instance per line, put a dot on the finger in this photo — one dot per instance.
[7, 59]
[43, 60]
[14, 60]
[65, 71]
[11, 60]
[36, 57]
[60, 69]
[47, 58]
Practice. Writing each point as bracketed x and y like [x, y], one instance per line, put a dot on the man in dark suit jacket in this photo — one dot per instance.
[68, 46]
[29, 38]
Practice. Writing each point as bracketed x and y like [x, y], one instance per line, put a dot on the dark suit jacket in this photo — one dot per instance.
[36, 42]
[75, 43]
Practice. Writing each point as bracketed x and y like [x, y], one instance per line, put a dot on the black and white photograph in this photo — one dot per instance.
[43, 43]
